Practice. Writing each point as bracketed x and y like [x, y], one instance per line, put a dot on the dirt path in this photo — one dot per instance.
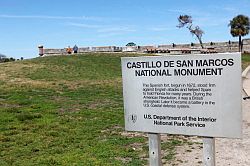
[236, 152]
[233, 152]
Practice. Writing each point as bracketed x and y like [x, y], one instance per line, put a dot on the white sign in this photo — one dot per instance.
[190, 94]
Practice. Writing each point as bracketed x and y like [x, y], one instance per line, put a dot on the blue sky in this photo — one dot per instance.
[25, 24]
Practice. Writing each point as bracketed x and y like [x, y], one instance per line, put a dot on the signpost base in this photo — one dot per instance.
[209, 151]
[154, 149]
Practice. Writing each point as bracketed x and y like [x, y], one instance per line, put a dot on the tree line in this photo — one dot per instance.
[4, 59]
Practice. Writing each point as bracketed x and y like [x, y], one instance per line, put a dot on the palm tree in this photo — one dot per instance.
[240, 26]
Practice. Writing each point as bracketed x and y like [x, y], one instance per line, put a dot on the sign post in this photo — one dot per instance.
[154, 149]
[209, 151]
[188, 95]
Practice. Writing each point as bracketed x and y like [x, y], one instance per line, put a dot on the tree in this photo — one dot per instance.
[131, 44]
[240, 26]
[185, 20]
[3, 59]
[2, 56]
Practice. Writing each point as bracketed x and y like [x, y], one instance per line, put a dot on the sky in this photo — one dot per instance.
[25, 24]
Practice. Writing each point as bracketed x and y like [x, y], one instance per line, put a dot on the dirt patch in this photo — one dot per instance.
[124, 160]
[101, 104]
[187, 154]
[133, 134]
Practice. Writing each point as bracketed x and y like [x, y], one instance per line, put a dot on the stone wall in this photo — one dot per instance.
[130, 49]
[50, 51]
[217, 46]
[210, 47]
[246, 46]
[105, 49]
[84, 49]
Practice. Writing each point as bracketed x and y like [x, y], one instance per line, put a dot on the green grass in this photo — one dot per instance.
[63, 111]
[245, 60]
[68, 110]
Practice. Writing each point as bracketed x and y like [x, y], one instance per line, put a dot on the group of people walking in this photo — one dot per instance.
[69, 50]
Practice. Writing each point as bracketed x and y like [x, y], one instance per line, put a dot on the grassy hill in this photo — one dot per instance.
[68, 110]
[64, 110]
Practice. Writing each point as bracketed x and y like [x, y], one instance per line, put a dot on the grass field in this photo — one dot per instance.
[68, 110]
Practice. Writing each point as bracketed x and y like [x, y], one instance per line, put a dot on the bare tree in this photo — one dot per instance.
[186, 21]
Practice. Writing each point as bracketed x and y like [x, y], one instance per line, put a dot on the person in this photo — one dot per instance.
[69, 50]
[75, 49]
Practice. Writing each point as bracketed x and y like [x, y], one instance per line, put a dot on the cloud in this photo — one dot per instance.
[161, 28]
[105, 35]
[116, 29]
[51, 17]
[230, 9]
[105, 30]
[84, 25]
[206, 17]
[176, 11]
[212, 21]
